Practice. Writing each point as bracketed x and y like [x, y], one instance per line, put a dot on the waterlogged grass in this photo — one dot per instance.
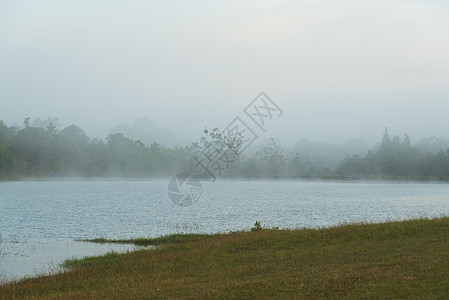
[11, 246]
[407, 259]
[166, 239]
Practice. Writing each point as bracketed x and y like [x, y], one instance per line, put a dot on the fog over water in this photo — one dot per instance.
[358, 92]
[338, 69]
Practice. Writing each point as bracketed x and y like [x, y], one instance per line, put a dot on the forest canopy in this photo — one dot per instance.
[34, 151]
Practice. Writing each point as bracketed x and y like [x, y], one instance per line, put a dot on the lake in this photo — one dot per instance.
[40, 219]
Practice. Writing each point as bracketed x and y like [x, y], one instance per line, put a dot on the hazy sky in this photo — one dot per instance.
[338, 69]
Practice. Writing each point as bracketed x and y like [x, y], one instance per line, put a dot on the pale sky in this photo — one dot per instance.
[338, 69]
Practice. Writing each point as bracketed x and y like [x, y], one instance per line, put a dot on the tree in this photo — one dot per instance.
[26, 122]
[51, 129]
[385, 146]
[272, 154]
[220, 141]
[218, 150]
[36, 152]
[354, 166]
[74, 146]
[6, 159]
[127, 156]
[406, 144]
[297, 165]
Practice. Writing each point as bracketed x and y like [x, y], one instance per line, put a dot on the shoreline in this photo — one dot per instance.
[413, 179]
[30, 259]
[389, 259]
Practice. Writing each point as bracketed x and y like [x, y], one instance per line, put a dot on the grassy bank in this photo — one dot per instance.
[395, 259]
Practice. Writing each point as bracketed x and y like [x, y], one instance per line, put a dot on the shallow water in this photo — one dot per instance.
[19, 259]
[39, 220]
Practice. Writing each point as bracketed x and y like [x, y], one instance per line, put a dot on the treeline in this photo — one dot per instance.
[31, 151]
[396, 157]
[35, 151]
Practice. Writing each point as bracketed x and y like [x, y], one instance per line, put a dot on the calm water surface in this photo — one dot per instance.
[39, 220]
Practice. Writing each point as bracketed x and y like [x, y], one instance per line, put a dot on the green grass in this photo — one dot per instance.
[408, 259]
[166, 239]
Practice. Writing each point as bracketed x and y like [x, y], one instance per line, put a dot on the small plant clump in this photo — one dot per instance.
[257, 226]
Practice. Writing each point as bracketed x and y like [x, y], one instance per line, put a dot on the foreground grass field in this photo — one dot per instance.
[396, 259]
